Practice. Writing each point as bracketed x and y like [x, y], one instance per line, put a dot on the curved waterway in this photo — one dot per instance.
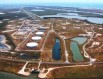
[4, 75]
[56, 50]
[80, 40]
[76, 52]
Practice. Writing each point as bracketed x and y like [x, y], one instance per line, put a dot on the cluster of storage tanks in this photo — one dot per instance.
[38, 37]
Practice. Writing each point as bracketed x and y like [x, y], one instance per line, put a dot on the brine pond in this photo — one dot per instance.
[74, 45]
[80, 40]
[77, 56]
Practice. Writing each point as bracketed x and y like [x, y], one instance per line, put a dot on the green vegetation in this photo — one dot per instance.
[48, 12]
[11, 16]
[3, 24]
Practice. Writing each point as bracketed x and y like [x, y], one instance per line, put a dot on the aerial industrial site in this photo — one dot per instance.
[46, 44]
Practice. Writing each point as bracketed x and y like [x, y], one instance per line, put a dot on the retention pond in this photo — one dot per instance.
[76, 51]
[80, 40]
[56, 50]
[74, 45]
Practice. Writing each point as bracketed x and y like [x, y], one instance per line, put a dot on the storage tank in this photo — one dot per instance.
[36, 38]
[39, 33]
[32, 44]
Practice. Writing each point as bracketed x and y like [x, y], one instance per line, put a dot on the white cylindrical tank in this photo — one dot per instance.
[32, 44]
[39, 33]
[36, 38]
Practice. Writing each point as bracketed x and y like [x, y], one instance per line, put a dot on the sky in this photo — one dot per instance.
[50, 1]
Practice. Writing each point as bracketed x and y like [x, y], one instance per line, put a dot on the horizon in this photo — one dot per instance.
[76, 5]
[49, 1]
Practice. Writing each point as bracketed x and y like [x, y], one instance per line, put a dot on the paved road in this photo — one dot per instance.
[30, 14]
[53, 63]
[84, 47]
